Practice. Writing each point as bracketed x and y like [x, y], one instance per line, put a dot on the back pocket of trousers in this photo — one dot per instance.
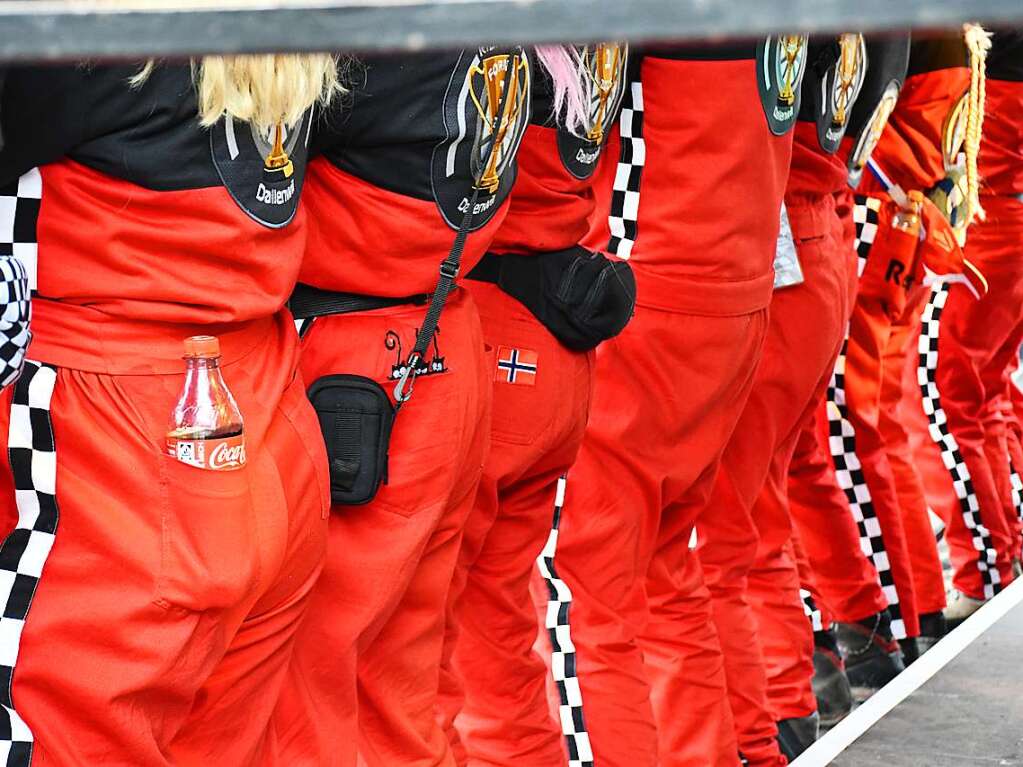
[209, 557]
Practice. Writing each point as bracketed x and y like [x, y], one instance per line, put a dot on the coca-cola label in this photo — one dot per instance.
[225, 454]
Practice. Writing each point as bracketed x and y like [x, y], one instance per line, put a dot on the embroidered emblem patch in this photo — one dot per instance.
[951, 194]
[486, 111]
[839, 89]
[428, 366]
[516, 366]
[262, 172]
[604, 68]
[781, 64]
[868, 139]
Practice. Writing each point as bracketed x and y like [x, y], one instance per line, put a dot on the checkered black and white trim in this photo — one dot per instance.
[622, 219]
[19, 213]
[811, 610]
[850, 478]
[563, 657]
[927, 369]
[23, 554]
[15, 312]
[1016, 483]
[866, 216]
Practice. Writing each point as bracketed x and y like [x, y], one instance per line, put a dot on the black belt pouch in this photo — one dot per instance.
[583, 298]
[356, 417]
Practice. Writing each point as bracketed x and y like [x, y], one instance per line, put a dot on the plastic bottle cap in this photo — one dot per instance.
[202, 346]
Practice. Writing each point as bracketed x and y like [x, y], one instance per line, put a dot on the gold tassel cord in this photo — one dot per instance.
[978, 42]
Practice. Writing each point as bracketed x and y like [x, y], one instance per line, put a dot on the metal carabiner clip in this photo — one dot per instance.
[408, 379]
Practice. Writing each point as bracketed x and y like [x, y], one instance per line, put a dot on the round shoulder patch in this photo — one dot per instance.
[486, 111]
[953, 132]
[603, 70]
[263, 173]
[838, 91]
[866, 142]
[952, 194]
[781, 64]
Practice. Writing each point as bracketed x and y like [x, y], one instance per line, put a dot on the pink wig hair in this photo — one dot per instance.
[564, 65]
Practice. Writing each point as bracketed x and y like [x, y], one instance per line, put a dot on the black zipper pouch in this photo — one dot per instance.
[582, 298]
[356, 417]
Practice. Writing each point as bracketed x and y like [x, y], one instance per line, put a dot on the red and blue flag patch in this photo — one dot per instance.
[516, 366]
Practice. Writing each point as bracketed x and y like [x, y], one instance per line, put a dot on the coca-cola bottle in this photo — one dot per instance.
[206, 425]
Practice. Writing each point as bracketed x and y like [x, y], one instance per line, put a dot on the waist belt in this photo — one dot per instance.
[487, 270]
[307, 302]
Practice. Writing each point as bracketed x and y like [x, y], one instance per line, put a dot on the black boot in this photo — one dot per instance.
[830, 684]
[932, 628]
[910, 650]
[872, 656]
[797, 735]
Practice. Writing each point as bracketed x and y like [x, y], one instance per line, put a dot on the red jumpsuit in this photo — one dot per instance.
[910, 154]
[745, 530]
[494, 682]
[842, 573]
[1004, 427]
[164, 598]
[670, 390]
[1008, 405]
[964, 359]
[857, 450]
[386, 195]
[901, 405]
[791, 381]
[898, 353]
[898, 362]
[837, 575]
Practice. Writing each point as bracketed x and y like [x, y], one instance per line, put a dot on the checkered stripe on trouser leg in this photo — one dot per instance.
[1017, 490]
[625, 193]
[811, 610]
[19, 212]
[866, 215]
[927, 370]
[15, 312]
[33, 459]
[563, 657]
[850, 478]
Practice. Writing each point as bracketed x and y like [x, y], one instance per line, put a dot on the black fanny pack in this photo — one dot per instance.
[581, 297]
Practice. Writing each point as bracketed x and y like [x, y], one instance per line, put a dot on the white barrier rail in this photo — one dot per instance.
[850, 729]
[76, 29]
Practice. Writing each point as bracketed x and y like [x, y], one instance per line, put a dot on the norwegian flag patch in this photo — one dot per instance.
[516, 366]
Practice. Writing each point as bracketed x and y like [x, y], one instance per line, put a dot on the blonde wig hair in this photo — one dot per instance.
[263, 89]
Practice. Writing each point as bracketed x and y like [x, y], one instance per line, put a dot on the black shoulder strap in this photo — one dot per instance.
[445, 283]
[448, 269]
